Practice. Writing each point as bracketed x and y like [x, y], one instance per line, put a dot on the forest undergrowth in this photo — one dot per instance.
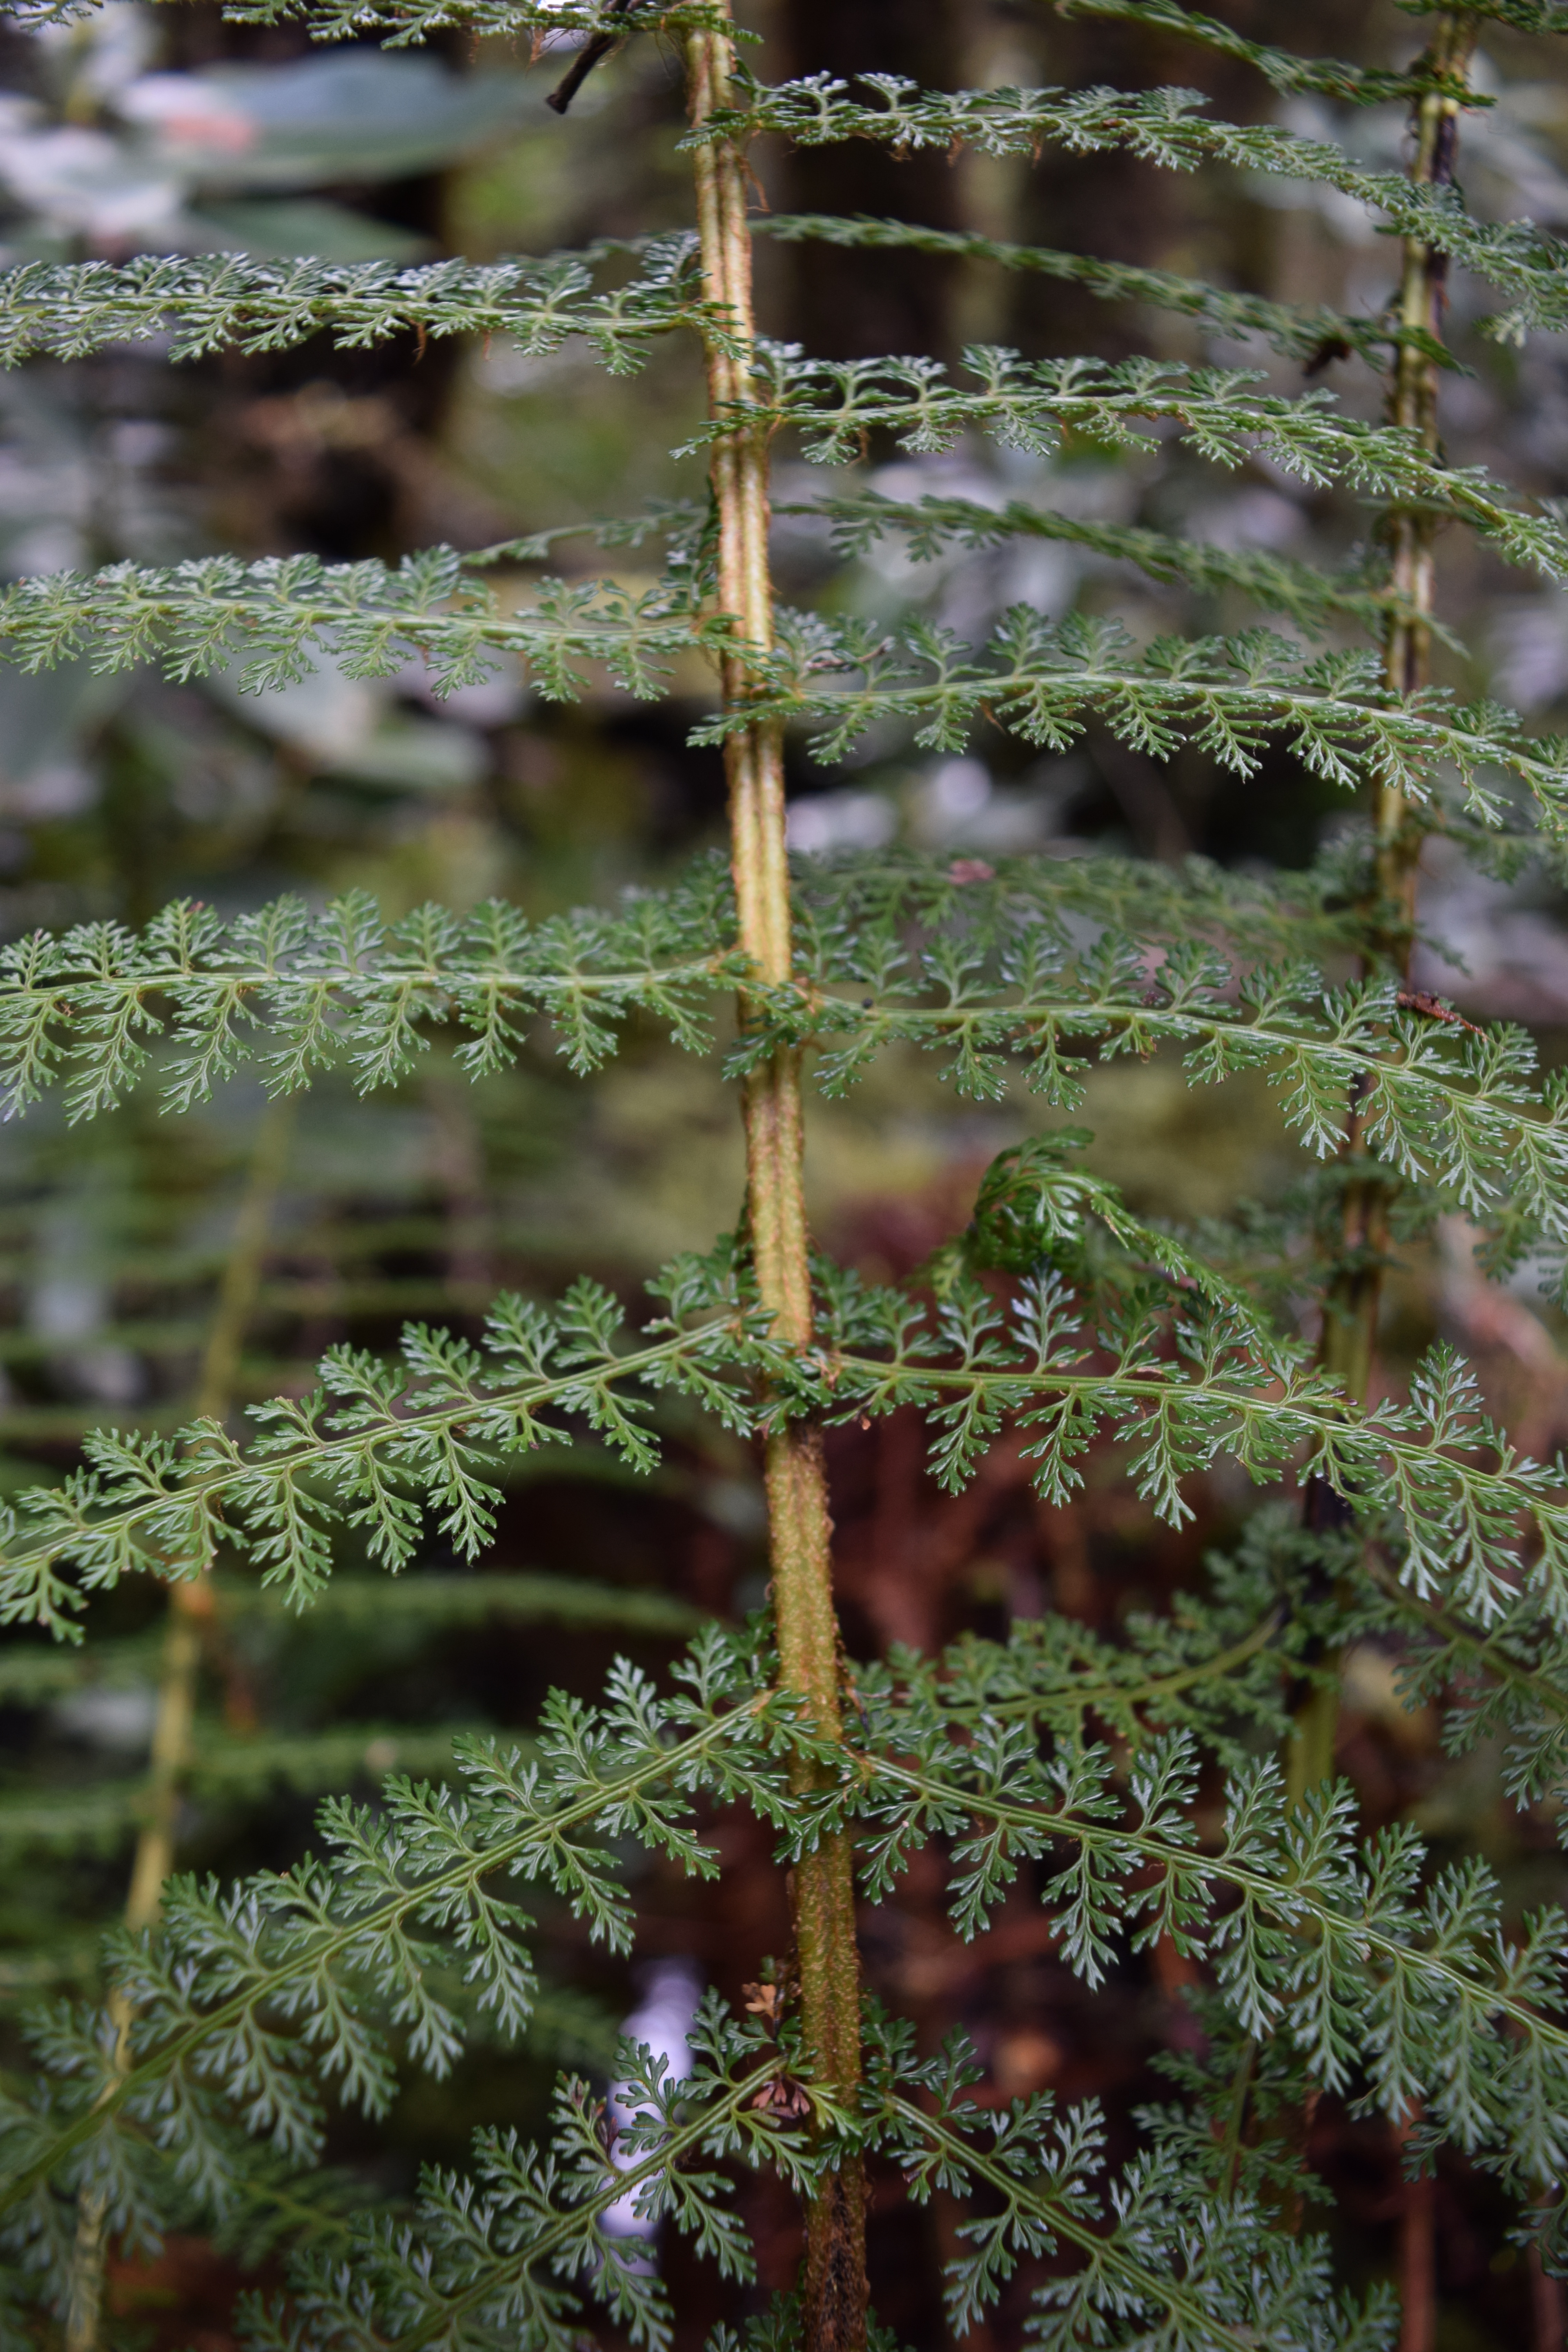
[1099, 1636]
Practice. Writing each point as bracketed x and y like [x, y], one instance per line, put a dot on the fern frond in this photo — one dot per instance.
[270, 618]
[1212, 1666]
[1043, 680]
[1444, 1104]
[273, 617]
[930, 523]
[293, 992]
[1282, 69]
[514, 2251]
[1504, 1681]
[241, 1997]
[1163, 127]
[1524, 15]
[1182, 1385]
[1255, 918]
[1155, 2256]
[1335, 1946]
[247, 303]
[402, 23]
[370, 1451]
[299, 991]
[1299, 330]
[837, 404]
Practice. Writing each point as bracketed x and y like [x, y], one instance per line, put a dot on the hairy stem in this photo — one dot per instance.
[1417, 2246]
[800, 1530]
[1412, 405]
[190, 1616]
[1350, 1306]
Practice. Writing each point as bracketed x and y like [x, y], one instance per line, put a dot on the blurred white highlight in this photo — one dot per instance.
[662, 2021]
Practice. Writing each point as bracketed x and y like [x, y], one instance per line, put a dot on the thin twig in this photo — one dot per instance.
[592, 53]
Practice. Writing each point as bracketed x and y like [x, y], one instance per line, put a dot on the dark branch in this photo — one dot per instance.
[590, 55]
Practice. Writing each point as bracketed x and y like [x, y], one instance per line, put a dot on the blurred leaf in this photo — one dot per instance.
[326, 119]
[299, 225]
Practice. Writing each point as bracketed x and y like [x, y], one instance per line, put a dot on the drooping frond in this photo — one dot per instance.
[1154, 2258]
[1505, 1680]
[516, 2249]
[1338, 1948]
[246, 2004]
[193, 999]
[1183, 1386]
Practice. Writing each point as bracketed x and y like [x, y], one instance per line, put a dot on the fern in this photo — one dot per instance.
[1058, 1763]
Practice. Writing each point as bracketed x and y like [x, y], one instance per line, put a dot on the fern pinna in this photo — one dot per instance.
[1324, 1961]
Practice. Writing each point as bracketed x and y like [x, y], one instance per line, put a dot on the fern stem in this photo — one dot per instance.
[1417, 2244]
[1236, 2121]
[1412, 405]
[1413, 397]
[1350, 1306]
[800, 1530]
[190, 1617]
[191, 1599]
